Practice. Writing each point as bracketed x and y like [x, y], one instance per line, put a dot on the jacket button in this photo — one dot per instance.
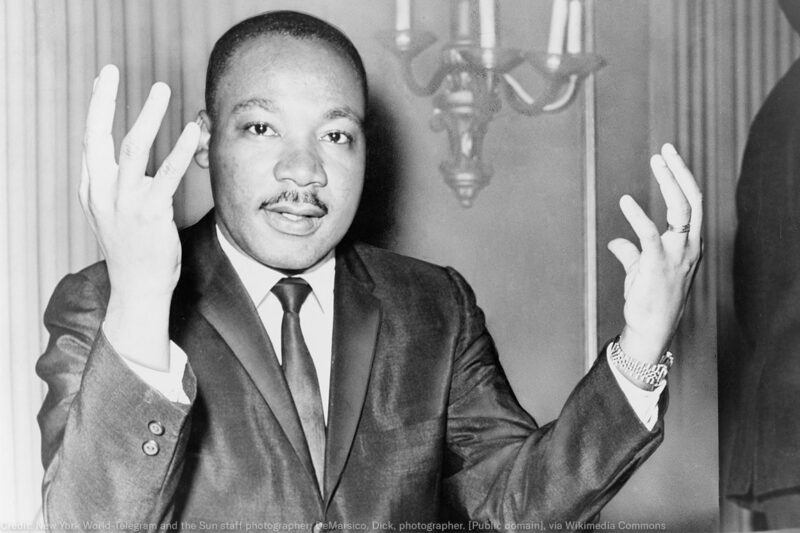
[319, 527]
[150, 447]
[156, 428]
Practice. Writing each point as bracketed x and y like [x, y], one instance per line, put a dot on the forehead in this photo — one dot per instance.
[271, 64]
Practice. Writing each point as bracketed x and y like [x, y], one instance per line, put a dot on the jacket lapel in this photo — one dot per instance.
[210, 284]
[355, 331]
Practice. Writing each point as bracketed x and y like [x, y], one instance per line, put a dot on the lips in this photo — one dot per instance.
[294, 218]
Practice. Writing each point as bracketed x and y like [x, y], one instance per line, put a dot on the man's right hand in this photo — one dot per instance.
[132, 217]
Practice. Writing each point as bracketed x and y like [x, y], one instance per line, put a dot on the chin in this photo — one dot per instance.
[294, 258]
[292, 265]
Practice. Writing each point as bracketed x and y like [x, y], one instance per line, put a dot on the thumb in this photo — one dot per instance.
[625, 251]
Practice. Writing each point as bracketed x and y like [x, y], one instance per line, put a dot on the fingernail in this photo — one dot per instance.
[160, 87]
[107, 70]
[668, 149]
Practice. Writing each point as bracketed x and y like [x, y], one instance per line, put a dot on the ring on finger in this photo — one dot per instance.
[684, 228]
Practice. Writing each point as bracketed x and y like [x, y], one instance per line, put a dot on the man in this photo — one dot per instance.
[764, 466]
[260, 371]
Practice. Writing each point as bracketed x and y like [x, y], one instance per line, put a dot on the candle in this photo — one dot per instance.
[488, 36]
[403, 21]
[558, 26]
[462, 24]
[575, 27]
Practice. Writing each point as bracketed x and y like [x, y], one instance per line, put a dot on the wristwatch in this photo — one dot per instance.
[650, 375]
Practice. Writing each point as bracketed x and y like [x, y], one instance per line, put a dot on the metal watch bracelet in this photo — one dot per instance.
[650, 375]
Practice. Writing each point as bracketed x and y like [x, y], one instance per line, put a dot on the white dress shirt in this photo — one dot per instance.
[316, 321]
[316, 313]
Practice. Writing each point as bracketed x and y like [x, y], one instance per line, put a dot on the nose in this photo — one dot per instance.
[302, 165]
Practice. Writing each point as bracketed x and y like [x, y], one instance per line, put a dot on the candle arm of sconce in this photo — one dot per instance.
[567, 95]
[422, 89]
[406, 46]
[559, 93]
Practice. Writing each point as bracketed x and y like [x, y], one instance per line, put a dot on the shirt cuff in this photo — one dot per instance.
[169, 382]
[643, 402]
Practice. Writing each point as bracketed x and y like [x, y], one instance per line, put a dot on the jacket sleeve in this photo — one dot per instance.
[505, 470]
[112, 447]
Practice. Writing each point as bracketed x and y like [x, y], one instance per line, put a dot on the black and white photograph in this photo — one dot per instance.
[400, 265]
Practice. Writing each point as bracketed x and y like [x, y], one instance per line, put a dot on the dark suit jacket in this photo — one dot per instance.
[766, 452]
[422, 423]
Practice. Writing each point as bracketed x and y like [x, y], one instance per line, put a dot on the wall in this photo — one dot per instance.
[646, 97]
[521, 245]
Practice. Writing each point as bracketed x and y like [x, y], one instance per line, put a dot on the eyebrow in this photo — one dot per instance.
[266, 104]
[263, 103]
[345, 112]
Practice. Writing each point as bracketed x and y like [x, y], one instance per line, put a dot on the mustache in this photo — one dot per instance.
[295, 197]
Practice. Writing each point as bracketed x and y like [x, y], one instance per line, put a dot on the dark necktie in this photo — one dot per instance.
[301, 375]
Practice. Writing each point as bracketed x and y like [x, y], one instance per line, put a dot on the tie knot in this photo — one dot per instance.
[291, 292]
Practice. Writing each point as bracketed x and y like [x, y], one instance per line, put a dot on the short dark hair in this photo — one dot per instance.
[287, 23]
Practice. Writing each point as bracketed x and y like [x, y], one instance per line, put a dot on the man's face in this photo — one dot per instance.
[287, 150]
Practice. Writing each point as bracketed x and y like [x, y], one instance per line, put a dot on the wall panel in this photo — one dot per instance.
[674, 96]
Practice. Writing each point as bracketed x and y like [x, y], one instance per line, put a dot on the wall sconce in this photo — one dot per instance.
[474, 74]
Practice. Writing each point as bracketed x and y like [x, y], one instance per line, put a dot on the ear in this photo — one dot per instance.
[201, 155]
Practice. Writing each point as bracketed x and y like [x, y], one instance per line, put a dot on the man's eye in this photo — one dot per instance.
[338, 137]
[260, 128]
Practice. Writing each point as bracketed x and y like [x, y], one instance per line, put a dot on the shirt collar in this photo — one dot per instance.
[258, 279]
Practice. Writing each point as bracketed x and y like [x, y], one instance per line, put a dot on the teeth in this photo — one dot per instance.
[292, 217]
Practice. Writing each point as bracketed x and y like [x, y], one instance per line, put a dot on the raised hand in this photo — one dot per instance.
[132, 217]
[658, 277]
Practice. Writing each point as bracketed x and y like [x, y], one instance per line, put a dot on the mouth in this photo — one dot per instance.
[297, 219]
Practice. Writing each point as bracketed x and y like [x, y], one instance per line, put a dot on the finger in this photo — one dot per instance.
[625, 251]
[83, 188]
[100, 115]
[646, 231]
[135, 148]
[98, 142]
[679, 211]
[173, 168]
[689, 186]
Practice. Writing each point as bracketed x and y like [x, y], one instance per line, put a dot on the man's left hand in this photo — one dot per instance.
[658, 277]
